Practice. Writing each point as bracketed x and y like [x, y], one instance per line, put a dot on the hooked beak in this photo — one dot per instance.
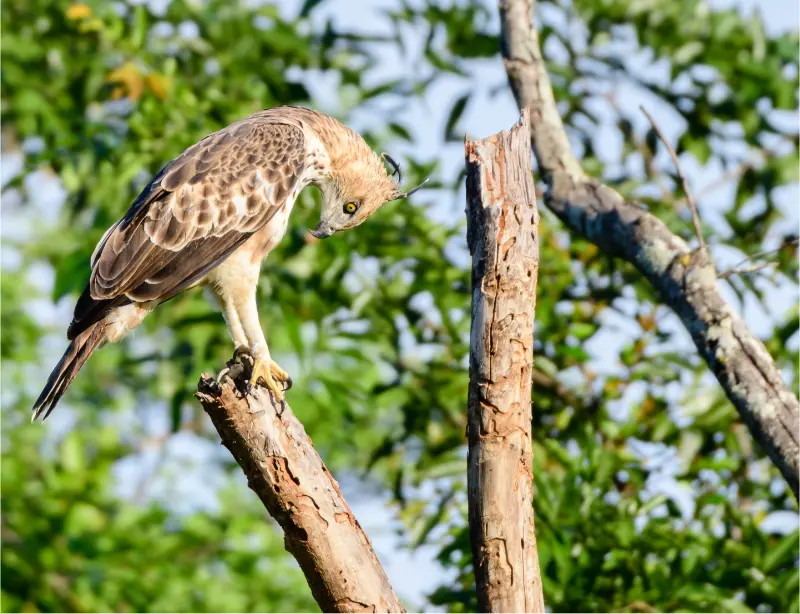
[322, 231]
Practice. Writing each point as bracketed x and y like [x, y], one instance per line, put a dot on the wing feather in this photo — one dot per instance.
[196, 211]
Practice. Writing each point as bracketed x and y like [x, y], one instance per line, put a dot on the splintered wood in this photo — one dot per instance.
[502, 233]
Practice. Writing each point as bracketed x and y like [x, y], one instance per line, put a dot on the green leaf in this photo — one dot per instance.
[452, 119]
[582, 330]
[73, 457]
[784, 550]
[71, 274]
[308, 7]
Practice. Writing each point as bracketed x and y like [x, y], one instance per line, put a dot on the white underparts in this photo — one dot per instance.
[124, 319]
[234, 284]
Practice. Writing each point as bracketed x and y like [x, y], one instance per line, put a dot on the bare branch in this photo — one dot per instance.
[698, 230]
[737, 270]
[685, 279]
[285, 471]
[744, 270]
[502, 233]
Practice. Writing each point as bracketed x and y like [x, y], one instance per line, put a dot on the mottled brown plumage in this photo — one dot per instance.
[210, 217]
[205, 204]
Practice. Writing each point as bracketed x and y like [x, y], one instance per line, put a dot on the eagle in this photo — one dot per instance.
[210, 217]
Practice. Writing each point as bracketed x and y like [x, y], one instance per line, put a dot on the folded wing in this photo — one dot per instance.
[195, 212]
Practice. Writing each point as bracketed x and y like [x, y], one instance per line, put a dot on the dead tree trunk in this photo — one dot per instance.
[502, 232]
[287, 474]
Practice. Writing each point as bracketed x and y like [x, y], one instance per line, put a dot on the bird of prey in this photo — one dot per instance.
[210, 217]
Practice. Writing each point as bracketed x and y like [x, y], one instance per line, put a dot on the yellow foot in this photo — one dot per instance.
[273, 377]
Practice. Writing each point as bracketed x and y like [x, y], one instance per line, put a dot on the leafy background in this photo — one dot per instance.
[650, 494]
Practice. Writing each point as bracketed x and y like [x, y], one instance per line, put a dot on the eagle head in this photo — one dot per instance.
[357, 184]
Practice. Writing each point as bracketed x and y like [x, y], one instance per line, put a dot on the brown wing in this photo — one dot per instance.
[194, 213]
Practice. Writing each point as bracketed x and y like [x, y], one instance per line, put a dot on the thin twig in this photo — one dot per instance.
[749, 269]
[641, 147]
[736, 270]
[689, 198]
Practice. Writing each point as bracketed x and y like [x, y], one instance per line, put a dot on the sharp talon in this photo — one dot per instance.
[242, 349]
[222, 374]
[243, 352]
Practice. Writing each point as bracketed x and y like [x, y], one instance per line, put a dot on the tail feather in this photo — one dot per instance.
[67, 368]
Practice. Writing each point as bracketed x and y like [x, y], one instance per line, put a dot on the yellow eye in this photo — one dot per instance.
[350, 208]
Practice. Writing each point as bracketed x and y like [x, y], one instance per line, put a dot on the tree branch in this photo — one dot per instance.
[698, 229]
[502, 233]
[739, 269]
[685, 279]
[285, 471]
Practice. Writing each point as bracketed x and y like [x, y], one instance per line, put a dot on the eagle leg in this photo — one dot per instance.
[236, 289]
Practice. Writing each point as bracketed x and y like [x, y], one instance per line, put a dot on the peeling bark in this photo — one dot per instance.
[502, 233]
[685, 278]
[285, 471]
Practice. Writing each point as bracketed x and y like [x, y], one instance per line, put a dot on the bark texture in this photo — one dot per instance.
[685, 278]
[502, 232]
[285, 471]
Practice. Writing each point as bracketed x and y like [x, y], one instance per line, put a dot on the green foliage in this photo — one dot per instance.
[718, 562]
[70, 545]
[373, 324]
